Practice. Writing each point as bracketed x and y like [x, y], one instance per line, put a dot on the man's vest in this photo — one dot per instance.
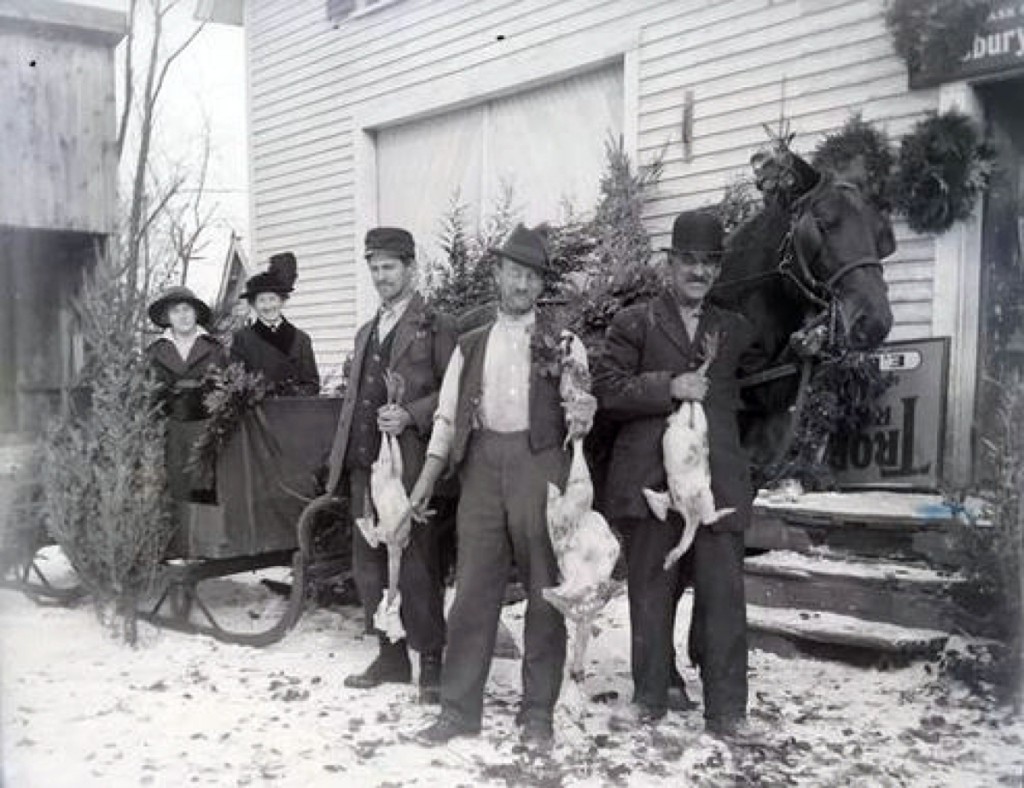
[547, 420]
[371, 392]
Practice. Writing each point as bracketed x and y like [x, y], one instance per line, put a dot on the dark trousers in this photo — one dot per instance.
[719, 627]
[420, 582]
[502, 516]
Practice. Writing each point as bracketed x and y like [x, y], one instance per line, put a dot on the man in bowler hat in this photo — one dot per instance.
[409, 339]
[501, 425]
[654, 351]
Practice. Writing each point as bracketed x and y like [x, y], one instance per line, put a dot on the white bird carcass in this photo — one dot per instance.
[392, 523]
[686, 456]
[584, 545]
[586, 550]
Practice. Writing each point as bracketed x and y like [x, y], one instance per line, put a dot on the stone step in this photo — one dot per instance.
[869, 524]
[910, 596]
[794, 632]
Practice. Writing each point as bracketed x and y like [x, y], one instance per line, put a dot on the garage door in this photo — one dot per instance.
[547, 144]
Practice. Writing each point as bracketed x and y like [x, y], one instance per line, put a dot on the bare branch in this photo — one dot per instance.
[168, 62]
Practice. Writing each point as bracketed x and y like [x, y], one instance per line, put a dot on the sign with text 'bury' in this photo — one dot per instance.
[903, 447]
[997, 48]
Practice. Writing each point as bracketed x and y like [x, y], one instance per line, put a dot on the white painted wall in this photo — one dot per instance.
[319, 94]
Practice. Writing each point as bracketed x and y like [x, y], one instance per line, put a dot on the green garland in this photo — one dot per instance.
[841, 397]
[933, 35]
[233, 393]
[943, 166]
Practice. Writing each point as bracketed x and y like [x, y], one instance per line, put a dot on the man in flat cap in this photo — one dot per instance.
[655, 360]
[409, 339]
[501, 425]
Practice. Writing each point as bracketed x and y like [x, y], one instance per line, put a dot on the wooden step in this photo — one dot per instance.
[910, 596]
[793, 632]
[870, 524]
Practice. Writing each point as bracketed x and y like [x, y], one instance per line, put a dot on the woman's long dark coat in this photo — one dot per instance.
[180, 389]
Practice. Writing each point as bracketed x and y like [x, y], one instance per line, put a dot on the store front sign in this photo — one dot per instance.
[998, 48]
[903, 446]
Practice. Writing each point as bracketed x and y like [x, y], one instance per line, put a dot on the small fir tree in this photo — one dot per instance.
[105, 493]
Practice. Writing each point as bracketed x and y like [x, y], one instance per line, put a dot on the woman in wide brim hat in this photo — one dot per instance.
[272, 346]
[180, 359]
[178, 295]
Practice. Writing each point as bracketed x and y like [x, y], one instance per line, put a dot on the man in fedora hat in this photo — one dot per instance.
[272, 345]
[654, 354]
[500, 424]
[409, 339]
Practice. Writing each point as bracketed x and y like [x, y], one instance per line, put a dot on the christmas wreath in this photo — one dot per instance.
[933, 35]
[943, 166]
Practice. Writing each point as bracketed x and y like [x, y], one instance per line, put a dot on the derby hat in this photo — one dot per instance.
[526, 247]
[178, 295]
[696, 231]
[390, 239]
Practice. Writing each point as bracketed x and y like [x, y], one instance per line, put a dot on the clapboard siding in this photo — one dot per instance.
[740, 58]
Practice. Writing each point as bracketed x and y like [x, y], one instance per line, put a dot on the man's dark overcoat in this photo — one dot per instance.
[647, 345]
[287, 361]
[423, 342]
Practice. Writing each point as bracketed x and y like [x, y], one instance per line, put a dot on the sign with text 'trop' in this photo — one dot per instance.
[903, 446]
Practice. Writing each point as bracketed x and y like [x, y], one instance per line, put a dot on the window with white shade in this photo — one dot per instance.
[546, 143]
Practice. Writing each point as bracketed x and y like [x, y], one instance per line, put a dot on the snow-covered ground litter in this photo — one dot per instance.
[80, 709]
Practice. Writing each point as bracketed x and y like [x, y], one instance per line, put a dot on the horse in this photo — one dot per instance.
[809, 263]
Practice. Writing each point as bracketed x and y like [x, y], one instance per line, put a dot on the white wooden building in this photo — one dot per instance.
[367, 112]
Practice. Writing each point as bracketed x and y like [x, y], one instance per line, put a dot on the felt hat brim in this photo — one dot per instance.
[158, 309]
[522, 259]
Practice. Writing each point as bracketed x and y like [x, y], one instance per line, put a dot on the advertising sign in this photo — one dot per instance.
[903, 447]
[998, 48]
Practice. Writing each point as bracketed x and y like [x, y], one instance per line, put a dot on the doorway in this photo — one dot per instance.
[1001, 319]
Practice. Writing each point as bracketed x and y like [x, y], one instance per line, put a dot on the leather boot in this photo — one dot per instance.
[430, 678]
[391, 666]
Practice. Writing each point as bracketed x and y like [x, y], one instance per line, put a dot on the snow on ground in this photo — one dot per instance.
[80, 709]
[879, 505]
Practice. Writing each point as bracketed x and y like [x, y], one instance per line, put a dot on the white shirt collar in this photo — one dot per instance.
[272, 326]
[516, 321]
[397, 308]
[169, 334]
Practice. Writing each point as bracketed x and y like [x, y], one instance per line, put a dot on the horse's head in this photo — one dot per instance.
[839, 241]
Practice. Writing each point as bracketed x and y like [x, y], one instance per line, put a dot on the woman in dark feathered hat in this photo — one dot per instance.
[180, 359]
[272, 345]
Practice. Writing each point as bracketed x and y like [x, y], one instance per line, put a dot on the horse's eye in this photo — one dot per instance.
[828, 215]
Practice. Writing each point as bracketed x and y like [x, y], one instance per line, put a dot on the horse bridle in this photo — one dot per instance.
[796, 270]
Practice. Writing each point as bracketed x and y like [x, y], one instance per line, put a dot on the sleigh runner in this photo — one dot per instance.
[267, 513]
